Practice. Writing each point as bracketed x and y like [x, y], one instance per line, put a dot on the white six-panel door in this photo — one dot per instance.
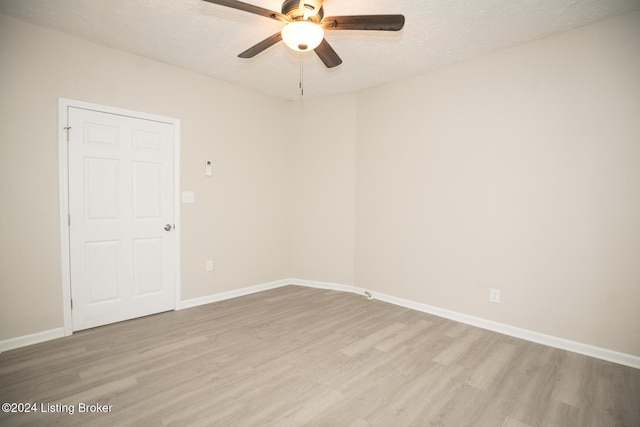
[121, 208]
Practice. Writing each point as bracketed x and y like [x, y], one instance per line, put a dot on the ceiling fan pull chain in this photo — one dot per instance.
[301, 78]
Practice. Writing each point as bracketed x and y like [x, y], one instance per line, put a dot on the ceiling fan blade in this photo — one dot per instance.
[263, 45]
[364, 22]
[328, 56]
[246, 7]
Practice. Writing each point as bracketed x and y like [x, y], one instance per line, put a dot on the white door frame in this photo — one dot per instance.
[63, 176]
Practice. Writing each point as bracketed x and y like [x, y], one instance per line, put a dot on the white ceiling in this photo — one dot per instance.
[207, 38]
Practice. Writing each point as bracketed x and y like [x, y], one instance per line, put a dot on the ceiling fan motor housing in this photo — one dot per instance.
[292, 9]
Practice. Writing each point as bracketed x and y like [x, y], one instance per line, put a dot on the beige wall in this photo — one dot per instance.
[240, 216]
[518, 170]
[323, 190]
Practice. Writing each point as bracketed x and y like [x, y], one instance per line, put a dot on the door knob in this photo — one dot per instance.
[168, 227]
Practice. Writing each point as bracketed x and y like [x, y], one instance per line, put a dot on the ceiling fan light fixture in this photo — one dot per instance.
[302, 36]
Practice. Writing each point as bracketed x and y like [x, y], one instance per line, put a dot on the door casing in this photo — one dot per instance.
[63, 156]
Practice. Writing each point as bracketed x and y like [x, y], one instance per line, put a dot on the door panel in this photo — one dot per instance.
[121, 196]
[147, 192]
[102, 271]
[147, 255]
[101, 188]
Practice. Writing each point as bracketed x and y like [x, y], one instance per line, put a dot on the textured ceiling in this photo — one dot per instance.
[207, 38]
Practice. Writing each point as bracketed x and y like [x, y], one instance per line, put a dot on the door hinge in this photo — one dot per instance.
[71, 303]
[69, 219]
[68, 129]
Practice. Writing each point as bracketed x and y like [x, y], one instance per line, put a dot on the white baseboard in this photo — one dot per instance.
[25, 340]
[525, 334]
[323, 285]
[549, 340]
[194, 302]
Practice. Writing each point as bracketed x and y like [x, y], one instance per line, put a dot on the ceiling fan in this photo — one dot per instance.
[305, 26]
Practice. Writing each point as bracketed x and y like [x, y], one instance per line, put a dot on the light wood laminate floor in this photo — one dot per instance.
[299, 356]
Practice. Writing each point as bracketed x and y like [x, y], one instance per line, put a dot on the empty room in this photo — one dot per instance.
[320, 213]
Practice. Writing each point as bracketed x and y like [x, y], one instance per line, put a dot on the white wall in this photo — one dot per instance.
[240, 216]
[518, 170]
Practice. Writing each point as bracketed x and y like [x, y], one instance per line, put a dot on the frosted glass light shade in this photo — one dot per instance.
[302, 35]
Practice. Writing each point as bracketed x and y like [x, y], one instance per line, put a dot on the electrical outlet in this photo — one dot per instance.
[494, 295]
[210, 265]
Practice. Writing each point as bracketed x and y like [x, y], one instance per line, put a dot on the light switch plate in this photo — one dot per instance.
[188, 197]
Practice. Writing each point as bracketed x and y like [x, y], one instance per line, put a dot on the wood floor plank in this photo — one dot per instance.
[570, 379]
[299, 356]
[371, 340]
[403, 337]
[491, 366]
[457, 347]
